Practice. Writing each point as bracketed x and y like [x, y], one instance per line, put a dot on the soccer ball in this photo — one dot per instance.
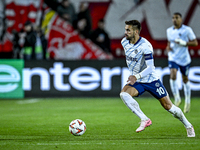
[77, 127]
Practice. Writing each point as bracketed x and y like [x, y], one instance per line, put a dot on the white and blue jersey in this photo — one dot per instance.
[136, 54]
[179, 54]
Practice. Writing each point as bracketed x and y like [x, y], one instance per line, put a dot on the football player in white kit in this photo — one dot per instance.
[139, 59]
[179, 38]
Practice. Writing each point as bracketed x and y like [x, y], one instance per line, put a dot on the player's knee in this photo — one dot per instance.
[185, 79]
[166, 102]
[173, 73]
[123, 95]
[172, 76]
[167, 106]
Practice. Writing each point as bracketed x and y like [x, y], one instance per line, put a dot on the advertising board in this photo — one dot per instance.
[91, 78]
[86, 78]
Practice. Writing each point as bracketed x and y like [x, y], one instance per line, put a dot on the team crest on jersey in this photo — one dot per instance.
[157, 84]
[136, 51]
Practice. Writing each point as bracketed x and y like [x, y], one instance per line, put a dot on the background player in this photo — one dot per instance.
[139, 58]
[179, 38]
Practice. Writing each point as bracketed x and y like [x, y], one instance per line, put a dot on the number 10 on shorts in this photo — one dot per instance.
[160, 91]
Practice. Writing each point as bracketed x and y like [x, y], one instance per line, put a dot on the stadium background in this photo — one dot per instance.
[90, 73]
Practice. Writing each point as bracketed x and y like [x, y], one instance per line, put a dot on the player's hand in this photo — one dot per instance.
[181, 42]
[131, 80]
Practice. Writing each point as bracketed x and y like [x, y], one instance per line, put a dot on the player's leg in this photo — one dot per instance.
[173, 83]
[158, 90]
[127, 94]
[186, 85]
[177, 113]
[187, 92]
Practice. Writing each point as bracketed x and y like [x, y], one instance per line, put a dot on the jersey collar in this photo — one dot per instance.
[138, 41]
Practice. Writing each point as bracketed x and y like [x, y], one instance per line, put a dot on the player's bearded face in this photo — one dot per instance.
[129, 32]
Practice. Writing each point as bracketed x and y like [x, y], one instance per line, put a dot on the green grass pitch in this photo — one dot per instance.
[43, 124]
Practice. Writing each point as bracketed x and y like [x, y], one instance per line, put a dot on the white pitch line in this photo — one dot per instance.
[134, 143]
[100, 143]
[30, 101]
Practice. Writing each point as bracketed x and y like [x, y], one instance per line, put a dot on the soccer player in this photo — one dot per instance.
[139, 59]
[179, 38]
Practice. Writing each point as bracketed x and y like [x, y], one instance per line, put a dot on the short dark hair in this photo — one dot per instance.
[177, 13]
[28, 22]
[135, 23]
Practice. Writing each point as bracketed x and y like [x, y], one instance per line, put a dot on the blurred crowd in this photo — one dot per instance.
[31, 43]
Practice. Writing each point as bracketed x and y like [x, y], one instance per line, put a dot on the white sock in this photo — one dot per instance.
[174, 89]
[133, 105]
[177, 113]
[187, 92]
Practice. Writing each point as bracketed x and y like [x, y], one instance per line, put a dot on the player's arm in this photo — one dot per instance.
[150, 67]
[168, 48]
[192, 43]
[184, 43]
[192, 39]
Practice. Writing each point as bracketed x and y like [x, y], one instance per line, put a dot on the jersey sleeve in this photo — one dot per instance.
[167, 33]
[148, 49]
[191, 34]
